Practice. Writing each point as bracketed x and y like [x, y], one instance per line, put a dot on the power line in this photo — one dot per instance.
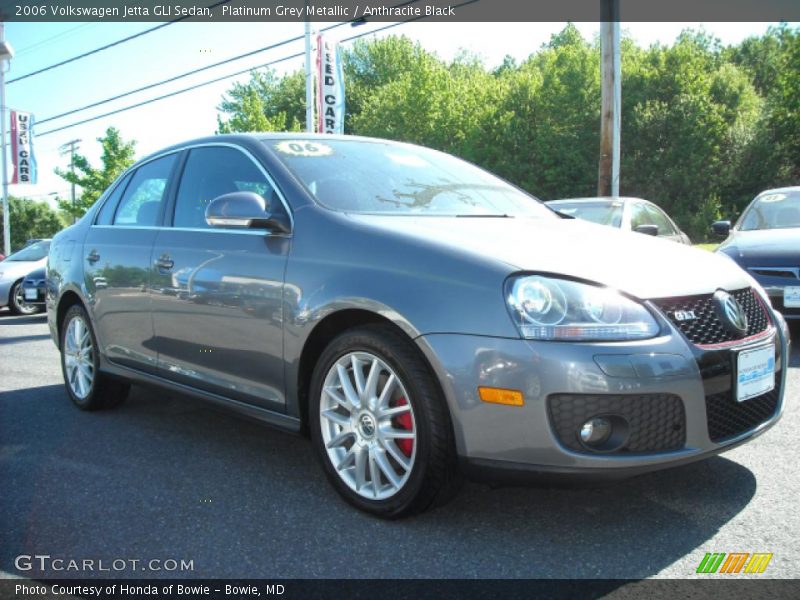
[165, 96]
[222, 78]
[52, 38]
[182, 75]
[107, 46]
[200, 69]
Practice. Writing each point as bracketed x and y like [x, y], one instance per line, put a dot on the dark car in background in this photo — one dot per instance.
[766, 243]
[417, 316]
[34, 288]
[627, 214]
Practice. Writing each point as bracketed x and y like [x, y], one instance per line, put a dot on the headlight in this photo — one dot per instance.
[545, 308]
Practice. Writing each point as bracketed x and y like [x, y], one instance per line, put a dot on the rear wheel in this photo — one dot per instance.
[87, 387]
[380, 425]
[17, 304]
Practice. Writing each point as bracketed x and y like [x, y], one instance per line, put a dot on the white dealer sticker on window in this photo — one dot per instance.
[303, 148]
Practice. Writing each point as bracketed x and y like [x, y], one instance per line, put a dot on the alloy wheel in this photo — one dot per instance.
[368, 425]
[19, 302]
[79, 357]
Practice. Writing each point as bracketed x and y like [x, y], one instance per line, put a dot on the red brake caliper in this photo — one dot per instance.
[403, 421]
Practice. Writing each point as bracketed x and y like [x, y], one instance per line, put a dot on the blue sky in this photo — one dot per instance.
[184, 46]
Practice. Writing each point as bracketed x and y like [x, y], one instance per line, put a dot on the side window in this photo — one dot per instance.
[639, 215]
[106, 214]
[213, 171]
[141, 204]
[659, 218]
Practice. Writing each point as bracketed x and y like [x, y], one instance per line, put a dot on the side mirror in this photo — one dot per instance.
[646, 229]
[721, 228]
[245, 210]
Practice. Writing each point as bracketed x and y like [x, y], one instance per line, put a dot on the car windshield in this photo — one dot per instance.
[32, 253]
[605, 212]
[777, 210]
[387, 178]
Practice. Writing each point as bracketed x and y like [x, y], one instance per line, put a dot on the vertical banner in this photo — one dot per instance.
[330, 88]
[22, 158]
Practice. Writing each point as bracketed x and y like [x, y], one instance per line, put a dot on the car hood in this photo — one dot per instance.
[765, 247]
[16, 269]
[643, 266]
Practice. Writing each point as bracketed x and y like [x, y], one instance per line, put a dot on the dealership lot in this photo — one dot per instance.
[167, 478]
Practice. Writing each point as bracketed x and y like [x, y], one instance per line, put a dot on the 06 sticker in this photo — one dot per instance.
[303, 148]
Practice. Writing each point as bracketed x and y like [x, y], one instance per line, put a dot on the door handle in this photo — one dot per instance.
[164, 262]
[93, 257]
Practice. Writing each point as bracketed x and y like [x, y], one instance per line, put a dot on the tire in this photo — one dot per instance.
[394, 447]
[16, 302]
[86, 386]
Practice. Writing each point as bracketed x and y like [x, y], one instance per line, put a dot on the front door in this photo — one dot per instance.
[217, 293]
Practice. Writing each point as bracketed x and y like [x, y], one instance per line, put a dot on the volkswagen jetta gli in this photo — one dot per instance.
[420, 318]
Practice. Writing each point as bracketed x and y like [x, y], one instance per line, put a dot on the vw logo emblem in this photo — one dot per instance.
[730, 312]
[367, 424]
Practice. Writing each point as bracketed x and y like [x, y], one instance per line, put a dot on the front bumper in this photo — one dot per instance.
[774, 286]
[505, 442]
[39, 289]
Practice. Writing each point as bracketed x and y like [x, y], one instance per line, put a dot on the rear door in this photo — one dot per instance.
[116, 254]
[217, 308]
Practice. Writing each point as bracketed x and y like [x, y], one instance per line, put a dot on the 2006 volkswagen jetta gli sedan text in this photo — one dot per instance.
[420, 318]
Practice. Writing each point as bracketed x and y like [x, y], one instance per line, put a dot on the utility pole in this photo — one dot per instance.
[71, 146]
[309, 78]
[611, 86]
[6, 53]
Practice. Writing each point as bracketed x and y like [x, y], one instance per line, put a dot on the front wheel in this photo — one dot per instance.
[380, 425]
[86, 386]
[17, 303]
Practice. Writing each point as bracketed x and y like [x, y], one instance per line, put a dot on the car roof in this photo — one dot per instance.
[233, 138]
[791, 188]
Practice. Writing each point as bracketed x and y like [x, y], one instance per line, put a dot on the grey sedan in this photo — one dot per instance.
[418, 317]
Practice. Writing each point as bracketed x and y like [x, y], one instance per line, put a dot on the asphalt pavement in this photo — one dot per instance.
[168, 478]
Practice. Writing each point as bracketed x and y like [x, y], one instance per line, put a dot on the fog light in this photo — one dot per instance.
[596, 431]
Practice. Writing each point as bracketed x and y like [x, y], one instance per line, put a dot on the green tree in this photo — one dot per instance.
[117, 156]
[265, 103]
[704, 127]
[29, 219]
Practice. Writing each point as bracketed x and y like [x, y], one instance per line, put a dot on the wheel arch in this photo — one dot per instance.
[68, 299]
[326, 330]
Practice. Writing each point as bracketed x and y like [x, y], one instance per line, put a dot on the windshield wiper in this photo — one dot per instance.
[479, 216]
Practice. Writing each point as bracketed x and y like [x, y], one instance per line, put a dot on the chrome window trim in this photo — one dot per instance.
[260, 232]
[119, 179]
[244, 151]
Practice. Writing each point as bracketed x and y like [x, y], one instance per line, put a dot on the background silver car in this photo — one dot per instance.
[627, 214]
[14, 269]
[420, 318]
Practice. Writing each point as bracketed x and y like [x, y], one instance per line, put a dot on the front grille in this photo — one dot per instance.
[728, 418]
[657, 422]
[707, 328]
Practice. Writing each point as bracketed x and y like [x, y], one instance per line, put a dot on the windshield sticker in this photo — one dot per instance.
[303, 148]
[408, 160]
[772, 198]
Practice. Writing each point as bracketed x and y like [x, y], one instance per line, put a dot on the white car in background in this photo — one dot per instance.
[13, 270]
[628, 214]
